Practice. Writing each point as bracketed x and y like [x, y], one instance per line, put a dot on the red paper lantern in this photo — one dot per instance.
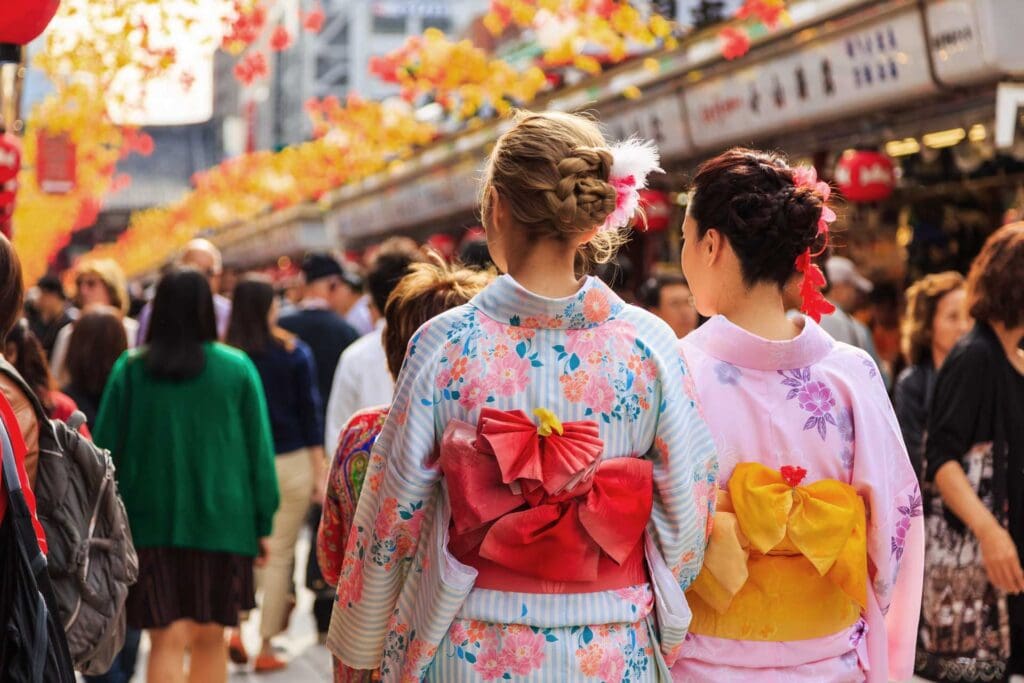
[865, 176]
[657, 207]
[10, 157]
[22, 21]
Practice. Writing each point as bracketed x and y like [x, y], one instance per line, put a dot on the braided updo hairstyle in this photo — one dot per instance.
[751, 198]
[552, 170]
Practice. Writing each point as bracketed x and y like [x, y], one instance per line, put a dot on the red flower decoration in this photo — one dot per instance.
[767, 12]
[251, 67]
[314, 21]
[735, 42]
[815, 304]
[280, 39]
[793, 475]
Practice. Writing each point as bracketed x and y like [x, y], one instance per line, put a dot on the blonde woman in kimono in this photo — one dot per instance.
[813, 572]
[538, 499]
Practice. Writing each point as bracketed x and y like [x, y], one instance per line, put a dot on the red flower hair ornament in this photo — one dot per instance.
[814, 304]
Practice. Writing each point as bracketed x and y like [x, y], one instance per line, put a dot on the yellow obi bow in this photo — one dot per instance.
[784, 562]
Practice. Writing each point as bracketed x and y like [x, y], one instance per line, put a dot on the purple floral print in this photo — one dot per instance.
[813, 397]
[860, 629]
[727, 373]
[913, 508]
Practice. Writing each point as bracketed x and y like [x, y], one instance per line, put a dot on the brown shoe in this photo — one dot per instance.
[236, 649]
[268, 663]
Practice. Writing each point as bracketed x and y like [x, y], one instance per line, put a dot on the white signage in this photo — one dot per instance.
[435, 195]
[857, 71]
[658, 118]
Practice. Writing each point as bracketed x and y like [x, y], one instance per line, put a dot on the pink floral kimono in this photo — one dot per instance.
[814, 569]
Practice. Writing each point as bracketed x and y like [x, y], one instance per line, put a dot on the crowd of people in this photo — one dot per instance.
[510, 470]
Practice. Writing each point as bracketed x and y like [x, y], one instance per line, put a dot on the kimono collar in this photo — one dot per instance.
[728, 342]
[509, 303]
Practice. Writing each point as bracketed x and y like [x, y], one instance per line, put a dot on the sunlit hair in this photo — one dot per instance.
[428, 290]
[112, 277]
[922, 302]
[552, 170]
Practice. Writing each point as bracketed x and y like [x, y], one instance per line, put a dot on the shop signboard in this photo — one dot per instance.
[437, 194]
[874, 65]
[294, 237]
[975, 40]
[659, 118]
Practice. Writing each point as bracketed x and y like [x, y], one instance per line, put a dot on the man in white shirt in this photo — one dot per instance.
[361, 379]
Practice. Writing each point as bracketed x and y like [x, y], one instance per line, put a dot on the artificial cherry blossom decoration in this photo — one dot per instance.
[280, 39]
[313, 22]
[734, 41]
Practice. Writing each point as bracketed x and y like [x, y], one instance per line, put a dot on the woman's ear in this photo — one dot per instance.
[712, 246]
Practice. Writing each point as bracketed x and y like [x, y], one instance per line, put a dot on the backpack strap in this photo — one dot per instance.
[18, 509]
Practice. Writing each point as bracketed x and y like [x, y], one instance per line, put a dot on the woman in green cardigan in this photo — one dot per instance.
[187, 423]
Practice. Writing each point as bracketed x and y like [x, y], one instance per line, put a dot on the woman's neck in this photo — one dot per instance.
[938, 357]
[546, 268]
[1010, 339]
[760, 311]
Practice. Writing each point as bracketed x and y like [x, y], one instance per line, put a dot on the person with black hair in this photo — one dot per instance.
[668, 297]
[186, 422]
[361, 379]
[52, 311]
[802, 592]
[285, 364]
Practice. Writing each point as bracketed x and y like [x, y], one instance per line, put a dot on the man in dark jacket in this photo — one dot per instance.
[318, 323]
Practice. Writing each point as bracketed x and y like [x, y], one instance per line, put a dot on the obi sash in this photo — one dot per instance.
[785, 562]
[536, 509]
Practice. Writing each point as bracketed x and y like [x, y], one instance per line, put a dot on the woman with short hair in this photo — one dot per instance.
[936, 319]
[972, 617]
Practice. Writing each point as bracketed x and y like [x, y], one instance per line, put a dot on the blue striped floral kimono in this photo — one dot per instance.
[408, 605]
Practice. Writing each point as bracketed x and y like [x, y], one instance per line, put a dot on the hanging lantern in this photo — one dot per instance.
[10, 157]
[21, 23]
[865, 175]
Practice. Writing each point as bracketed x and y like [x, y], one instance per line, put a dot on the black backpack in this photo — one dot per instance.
[92, 559]
[32, 644]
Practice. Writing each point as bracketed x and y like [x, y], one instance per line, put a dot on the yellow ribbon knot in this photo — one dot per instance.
[765, 526]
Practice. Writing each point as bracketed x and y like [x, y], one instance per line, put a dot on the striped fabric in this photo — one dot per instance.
[585, 357]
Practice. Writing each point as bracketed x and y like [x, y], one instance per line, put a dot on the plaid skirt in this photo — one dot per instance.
[179, 583]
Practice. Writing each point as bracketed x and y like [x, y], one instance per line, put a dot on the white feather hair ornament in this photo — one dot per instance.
[632, 161]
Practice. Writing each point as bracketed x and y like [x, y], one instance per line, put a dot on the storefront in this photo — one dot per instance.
[915, 79]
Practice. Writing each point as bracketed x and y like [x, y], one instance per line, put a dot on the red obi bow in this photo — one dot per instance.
[542, 505]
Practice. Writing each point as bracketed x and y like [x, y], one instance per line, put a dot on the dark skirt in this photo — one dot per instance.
[178, 583]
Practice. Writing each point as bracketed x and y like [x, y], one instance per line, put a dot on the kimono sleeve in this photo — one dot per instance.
[685, 471]
[401, 480]
[885, 479]
[254, 416]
